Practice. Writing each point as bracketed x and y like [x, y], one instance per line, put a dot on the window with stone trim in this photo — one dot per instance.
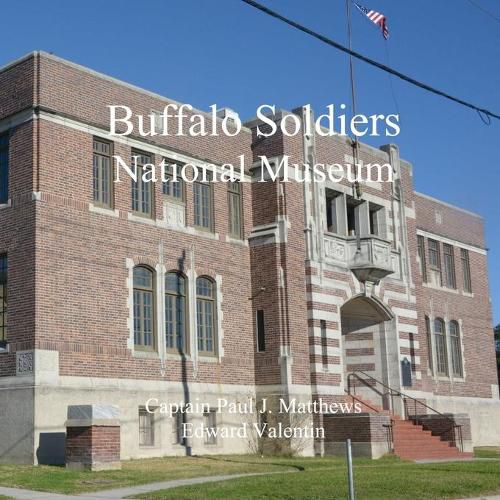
[441, 350]
[203, 205]
[144, 310]
[464, 255]
[173, 186]
[210, 426]
[142, 191]
[434, 256]
[179, 427]
[324, 343]
[435, 276]
[175, 312]
[456, 349]
[205, 315]
[261, 331]
[4, 168]
[234, 209]
[335, 212]
[376, 220]
[430, 362]
[421, 257]
[3, 298]
[146, 427]
[449, 266]
[102, 172]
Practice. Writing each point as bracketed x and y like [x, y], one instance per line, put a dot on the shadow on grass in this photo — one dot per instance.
[221, 459]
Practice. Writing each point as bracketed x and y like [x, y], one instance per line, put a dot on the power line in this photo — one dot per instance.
[485, 11]
[485, 114]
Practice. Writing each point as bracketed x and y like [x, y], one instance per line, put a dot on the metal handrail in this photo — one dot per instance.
[394, 392]
[364, 403]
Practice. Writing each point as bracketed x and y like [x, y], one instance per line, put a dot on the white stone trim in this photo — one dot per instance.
[405, 313]
[317, 350]
[103, 210]
[220, 316]
[449, 241]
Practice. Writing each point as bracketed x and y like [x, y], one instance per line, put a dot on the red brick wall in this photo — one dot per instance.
[474, 311]
[92, 444]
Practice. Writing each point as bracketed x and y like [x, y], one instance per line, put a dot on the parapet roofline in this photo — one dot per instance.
[449, 205]
[108, 78]
[246, 125]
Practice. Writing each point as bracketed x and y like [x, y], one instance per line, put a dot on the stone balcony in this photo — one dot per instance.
[374, 260]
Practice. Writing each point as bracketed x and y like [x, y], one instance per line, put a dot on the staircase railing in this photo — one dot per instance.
[455, 428]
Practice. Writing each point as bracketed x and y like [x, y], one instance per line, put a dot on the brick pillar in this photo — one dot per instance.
[93, 437]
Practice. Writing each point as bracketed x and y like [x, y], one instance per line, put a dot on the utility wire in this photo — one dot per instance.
[485, 114]
[485, 11]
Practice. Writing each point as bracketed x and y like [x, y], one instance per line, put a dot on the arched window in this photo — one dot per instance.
[144, 307]
[175, 311]
[205, 315]
[441, 351]
[456, 350]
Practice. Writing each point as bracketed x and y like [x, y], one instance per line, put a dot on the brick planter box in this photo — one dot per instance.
[93, 437]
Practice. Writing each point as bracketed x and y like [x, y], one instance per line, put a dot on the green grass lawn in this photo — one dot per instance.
[60, 480]
[385, 479]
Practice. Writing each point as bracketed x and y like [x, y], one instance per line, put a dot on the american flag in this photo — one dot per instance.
[377, 18]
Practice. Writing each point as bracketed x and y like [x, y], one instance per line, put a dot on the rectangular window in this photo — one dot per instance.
[4, 168]
[324, 344]
[434, 257]
[376, 220]
[146, 428]
[335, 212]
[102, 172]
[441, 350]
[179, 421]
[142, 192]
[464, 254]
[234, 208]
[205, 316]
[203, 217]
[352, 216]
[210, 426]
[173, 187]
[449, 266]
[429, 342]
[3, 298]
[175, 312]
[261, 332]
[143, 318]
[456, 349]
[434, 253]
[421, 256]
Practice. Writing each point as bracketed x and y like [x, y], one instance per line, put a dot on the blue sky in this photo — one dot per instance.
[225, 52]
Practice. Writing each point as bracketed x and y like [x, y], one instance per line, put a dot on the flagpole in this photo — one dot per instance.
[355, 145]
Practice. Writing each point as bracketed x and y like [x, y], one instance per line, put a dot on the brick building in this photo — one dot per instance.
[122, 292]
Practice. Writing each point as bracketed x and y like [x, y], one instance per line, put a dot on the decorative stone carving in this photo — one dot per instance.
[335, 249]
[24, 362]
[175, 214]
[381, 255]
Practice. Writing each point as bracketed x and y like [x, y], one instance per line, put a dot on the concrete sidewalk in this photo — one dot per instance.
[128, 491]
[37, 495]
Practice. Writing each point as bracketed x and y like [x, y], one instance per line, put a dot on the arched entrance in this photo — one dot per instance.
[368, 342]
